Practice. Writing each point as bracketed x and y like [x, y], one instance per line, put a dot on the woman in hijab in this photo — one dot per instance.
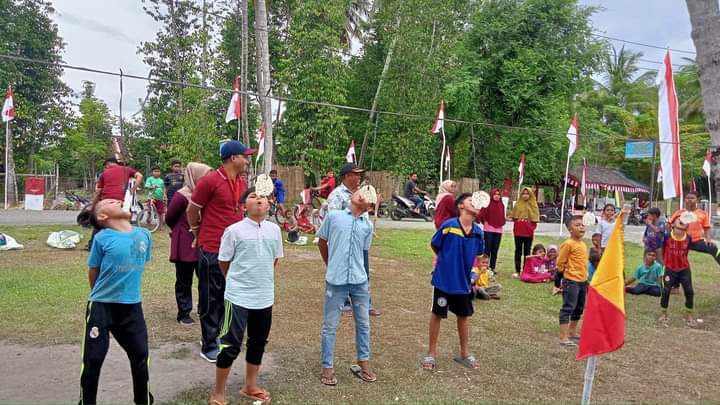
[525, 215]
[182, 253]
[492, 218]
[445, 203]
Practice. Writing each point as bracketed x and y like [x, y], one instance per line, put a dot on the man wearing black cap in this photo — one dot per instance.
[215, 205]
[339, 199]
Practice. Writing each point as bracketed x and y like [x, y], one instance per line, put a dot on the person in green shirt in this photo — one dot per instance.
[156, 192]
[647, 275]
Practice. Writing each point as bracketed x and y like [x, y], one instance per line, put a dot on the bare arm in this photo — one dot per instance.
[224, 266]
[138, 182]
[323, 246]
[193, 217]
[92, 276]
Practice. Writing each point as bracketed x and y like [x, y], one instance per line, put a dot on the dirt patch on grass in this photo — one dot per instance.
[51, 374]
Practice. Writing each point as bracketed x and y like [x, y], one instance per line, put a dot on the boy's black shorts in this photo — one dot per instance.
[458, 304]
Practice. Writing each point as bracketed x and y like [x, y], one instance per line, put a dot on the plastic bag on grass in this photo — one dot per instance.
[8, 243]
[64, 239]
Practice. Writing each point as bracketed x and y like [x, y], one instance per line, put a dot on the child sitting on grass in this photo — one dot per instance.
[303, 221]
[648, 275]
[551, 260]
[483, 279]
[116, 263]
[534, 270]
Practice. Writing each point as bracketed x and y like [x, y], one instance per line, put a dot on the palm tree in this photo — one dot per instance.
[355, 17]
[620, 68]
[687, 83]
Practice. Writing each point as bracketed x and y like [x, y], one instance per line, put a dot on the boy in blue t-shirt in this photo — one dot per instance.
[648, 275]
[116, 263]
[456, 243]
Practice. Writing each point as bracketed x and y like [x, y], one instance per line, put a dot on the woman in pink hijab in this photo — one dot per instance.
[445, 203]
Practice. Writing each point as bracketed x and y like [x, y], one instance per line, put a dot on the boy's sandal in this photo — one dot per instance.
[428, 363]
[259, 395]
[362, 374]
[567, 343]
[469, 362]
[575, 338]
[329, 381]
[216, 402]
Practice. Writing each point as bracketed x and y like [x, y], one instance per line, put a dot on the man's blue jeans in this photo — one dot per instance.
[334, 297]
[417, 200]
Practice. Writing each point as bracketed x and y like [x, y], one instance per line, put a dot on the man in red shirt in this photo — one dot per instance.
[114, 179]
[215, 205]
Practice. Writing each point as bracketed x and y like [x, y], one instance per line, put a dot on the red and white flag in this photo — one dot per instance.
[669, 131]
[261, 142]
[521, 170]
[707, 164]
[659, 176]
[573, 136]
[233, 111]
[350, 155]
[8, 111]
[439, 119]
[693, 186]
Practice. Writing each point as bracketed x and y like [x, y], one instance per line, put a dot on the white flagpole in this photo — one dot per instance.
[710, 198]
[562, 207]
[442, 155]
[7, 156]
[589, 378]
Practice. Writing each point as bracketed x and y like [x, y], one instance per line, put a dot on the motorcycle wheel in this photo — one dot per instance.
[396, 215]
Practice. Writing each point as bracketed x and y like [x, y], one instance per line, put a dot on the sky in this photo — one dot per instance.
[105, 35]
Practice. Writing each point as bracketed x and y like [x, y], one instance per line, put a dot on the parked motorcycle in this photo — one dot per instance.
[405, 208]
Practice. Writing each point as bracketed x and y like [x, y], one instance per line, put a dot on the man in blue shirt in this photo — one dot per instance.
[344, 236]
[457, 242]
[116, 263]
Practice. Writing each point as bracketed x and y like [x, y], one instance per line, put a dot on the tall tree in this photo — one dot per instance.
[705, 20]
[263, 79]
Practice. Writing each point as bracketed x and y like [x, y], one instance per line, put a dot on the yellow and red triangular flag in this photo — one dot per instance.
[603, 327]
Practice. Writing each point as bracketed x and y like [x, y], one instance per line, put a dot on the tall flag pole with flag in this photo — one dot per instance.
[439, 126]
[350, 155]
[707, 168]
[583, 183]
[669, 132]
[573, 136]
[603, 326]
[521, 174]
[8, 114]
[233, 111]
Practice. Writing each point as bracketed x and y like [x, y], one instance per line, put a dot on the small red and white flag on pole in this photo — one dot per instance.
[707, 164]
[659, 176]
[350, 155]
[521, 170]
[439, 119]
[261, 141]
[8, 111]
[573, 136]
[693, 186]
[233, 111]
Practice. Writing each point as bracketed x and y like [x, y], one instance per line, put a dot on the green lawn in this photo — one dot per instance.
[43, 293]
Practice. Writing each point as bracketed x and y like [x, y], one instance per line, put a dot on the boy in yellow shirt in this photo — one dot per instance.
[483, 279]
[573, 272]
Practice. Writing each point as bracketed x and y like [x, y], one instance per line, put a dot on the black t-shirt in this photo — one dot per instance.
[173, 183]
[409, 188]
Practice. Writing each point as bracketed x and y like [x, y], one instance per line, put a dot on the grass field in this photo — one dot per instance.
[43, 293]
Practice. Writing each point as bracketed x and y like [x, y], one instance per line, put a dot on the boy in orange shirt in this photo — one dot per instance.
[573, 272]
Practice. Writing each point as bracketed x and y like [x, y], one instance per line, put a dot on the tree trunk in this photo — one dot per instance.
[705, 21]
[244, 68]
[263, 79]
[386, 66]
